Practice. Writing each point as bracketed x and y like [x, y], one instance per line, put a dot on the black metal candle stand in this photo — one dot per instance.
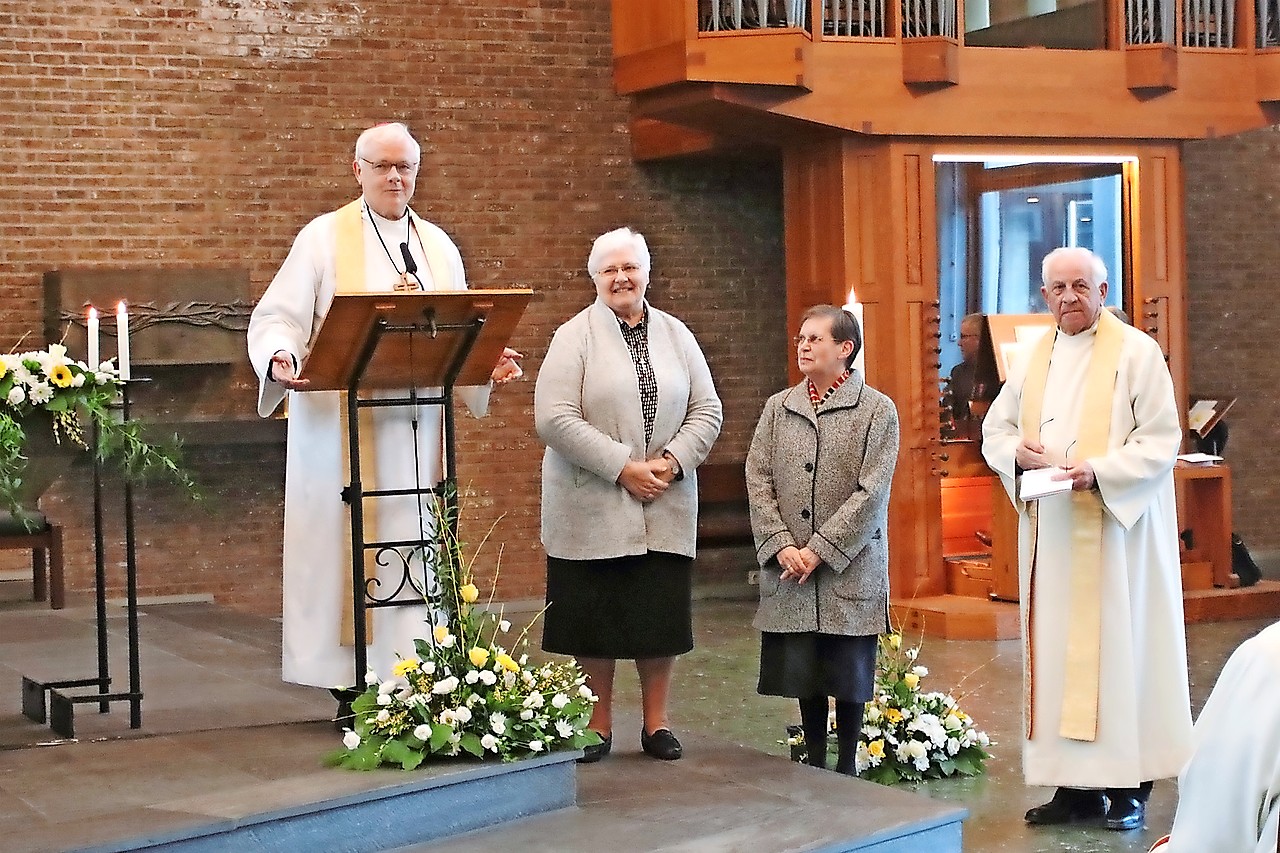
[54, 701]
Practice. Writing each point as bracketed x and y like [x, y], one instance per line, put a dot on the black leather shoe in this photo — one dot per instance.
[1125, 812]
[661, 744]
[596, 751]
[345, 718]
[1067, 805]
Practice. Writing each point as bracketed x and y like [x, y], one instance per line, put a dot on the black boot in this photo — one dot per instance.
[813, 719]
[1067, 805]
[848, 730]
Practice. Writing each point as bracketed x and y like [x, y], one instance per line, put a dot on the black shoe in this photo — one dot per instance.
[1067, 805]
[661, 744]
[596, 751]
[345, 718]
[1126, 812]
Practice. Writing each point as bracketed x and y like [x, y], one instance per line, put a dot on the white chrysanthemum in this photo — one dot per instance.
[585, 692]
[862, 759]
[534, 700]
[983, 740]
[504, 626]
[953, 746]
[498, 723]
[463, 713]
[527, 714]
[921, 671]
[524, 660]
[873, 713]
[383, 716]
[871, 732]
[952, 723]
[105, 374]
[21, 375]
[447, 717]
[350, 740]
[388, 687]
[16, 395]
[487, 677]
[559, 701]
[508, 679]
[912, 654]
[564, 729]
[41, 393]
[472, 676]
[370, 678]
[77, 381]
[422, 732]
[489, 742]
[429, 667]
[535, 746]
[384, 699]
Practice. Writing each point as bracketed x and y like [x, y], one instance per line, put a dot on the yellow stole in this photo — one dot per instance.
[349, 245]
[1084, 633]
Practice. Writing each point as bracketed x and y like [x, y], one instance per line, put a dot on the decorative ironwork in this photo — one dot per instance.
[416, 571]
[232, 316]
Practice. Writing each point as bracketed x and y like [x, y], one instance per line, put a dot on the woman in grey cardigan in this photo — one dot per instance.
[626, 406]
[818, 476]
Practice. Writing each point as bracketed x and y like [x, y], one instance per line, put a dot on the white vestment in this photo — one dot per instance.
[317, 533]
[1229, 793]
[1144, 712]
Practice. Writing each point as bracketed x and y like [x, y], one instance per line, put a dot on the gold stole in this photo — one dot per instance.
[1084, 632]
[349, 245]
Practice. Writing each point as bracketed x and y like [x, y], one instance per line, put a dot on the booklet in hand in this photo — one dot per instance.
[1039, 483]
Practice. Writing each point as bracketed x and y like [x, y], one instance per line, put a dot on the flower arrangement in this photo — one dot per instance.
[47, 385]
[907, 734]
[464, 692]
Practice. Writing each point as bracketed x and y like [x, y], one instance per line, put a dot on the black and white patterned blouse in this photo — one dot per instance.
[638, 342]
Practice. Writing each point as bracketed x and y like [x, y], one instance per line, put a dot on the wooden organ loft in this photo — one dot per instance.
[894, 120]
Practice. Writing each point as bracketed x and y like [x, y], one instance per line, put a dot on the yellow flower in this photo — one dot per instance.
[404, 667]
[507, 662]
[60, 375]
[440, 632]
[911, 680]
[893, 715]
[469, 593]
[479, 656]
[876, 748]
[895, 641]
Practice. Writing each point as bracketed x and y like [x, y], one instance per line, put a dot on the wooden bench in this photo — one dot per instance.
[46, 557]
[724, 519]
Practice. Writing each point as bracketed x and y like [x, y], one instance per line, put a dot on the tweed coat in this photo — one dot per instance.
[822, 479]
[586, 407]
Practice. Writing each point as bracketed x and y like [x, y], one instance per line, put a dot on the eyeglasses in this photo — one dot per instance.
[383, 168]
[812, 340]
[612, 272]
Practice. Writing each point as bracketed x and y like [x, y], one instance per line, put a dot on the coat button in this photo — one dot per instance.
[808, 466]
[804, 513]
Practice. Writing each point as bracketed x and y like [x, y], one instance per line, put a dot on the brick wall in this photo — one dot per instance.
[1233, 254]
[207, 132]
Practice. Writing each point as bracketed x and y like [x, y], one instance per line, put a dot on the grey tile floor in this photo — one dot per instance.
[216, 717]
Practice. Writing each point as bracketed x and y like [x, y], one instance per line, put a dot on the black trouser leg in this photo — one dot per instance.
[813, 719]
[346, 718]
[848, 729]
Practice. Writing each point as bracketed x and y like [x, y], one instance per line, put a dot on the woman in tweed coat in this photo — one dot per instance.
[818, 476]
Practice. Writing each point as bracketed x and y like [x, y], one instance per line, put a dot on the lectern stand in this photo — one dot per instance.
[387, 341]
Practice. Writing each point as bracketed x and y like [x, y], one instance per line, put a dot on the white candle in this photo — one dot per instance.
[122, 332]
[854, 307]
[92, 331]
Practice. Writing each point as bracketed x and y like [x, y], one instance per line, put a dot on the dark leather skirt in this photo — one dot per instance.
[809, 664]
[621, 608]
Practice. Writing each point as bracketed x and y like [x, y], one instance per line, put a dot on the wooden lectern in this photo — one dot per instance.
[425, 344]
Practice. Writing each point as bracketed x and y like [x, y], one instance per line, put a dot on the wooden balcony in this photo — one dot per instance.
[712, 75]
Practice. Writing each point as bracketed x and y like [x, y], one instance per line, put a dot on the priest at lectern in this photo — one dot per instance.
[375, 243]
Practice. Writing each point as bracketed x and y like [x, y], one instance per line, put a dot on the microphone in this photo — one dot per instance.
[410, 264]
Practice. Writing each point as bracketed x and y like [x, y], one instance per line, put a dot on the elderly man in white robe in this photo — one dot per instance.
[1106, 702]
[375, 243]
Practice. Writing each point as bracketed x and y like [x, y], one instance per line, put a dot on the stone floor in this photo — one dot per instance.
[206, 669]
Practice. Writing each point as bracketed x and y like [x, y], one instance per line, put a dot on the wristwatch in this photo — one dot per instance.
[674, 463]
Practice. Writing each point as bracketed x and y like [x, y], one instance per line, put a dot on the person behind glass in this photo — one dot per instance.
[818, 475]
[963, 388]
[627, 408]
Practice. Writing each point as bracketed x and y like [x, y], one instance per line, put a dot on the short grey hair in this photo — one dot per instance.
[1097, 268]
[397, 127]
[610, 241]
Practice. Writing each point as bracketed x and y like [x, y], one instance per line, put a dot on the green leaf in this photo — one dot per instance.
[471, 744]
[396, 752]
[440, 734]
[413, 760]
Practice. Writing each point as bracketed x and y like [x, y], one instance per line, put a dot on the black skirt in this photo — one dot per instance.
[626, 607]
[809, 664]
